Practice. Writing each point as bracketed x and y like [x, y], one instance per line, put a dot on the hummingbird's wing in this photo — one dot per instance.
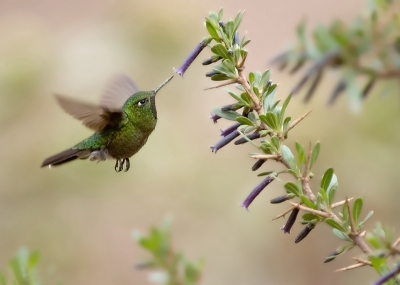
[118, 90]
[92, 116]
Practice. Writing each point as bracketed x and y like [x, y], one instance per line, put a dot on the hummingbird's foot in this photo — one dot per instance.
[119, 164]
[128, 164]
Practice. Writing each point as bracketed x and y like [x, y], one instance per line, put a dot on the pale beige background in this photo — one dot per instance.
[80, 216]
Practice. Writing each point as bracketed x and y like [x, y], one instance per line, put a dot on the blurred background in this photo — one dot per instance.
[80, 216]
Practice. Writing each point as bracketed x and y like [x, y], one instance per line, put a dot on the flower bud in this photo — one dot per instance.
[290, 222]
[258, 164]
[310, 226]
[213, 59]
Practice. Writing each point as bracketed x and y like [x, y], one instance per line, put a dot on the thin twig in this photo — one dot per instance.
[284, 213]
[297, 121]
[306, 177]
[264, 156]
[359, 260]
[313, 211]
[229, 82]
[354, 266]
[353, 228]
[396, 243]
[341, 203]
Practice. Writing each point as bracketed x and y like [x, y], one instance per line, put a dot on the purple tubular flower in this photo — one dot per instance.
[227, 139]
[251, 137]
[192, 56]
[214, 117]
[256, 191]
[290, 222]
[305, 232]
[388, 276]
[229, 130]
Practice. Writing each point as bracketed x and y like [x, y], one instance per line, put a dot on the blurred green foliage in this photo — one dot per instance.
[170, 268]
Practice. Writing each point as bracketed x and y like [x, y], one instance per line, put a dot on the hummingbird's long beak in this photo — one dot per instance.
[162, 84]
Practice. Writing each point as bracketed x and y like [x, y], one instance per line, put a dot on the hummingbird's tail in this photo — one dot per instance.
[65, 156]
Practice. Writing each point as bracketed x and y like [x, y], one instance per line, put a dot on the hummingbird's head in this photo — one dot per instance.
[141, 106]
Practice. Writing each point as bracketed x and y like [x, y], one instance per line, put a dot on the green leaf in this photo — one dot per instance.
[323, 195]
[237, 21]
[213, 18]
[264, 80]
[228, 65]
[269, 98]
[220, 49]
[378, 263]
[229, 30]
[222, 69]
[244, 121]
[220, 14]
[332, 223]
[265, 173]
[307, 202]
[357, 207]
[228, 115]
[332, 189]
[286, 123]
[374, 241]
[341, 235]
[326, 179]
[237, 98]
[192, 273]
[212, 31]
[308, 217]
[288, 157]
[236, 54]
[315, 154]
[251, 77]
[301, 158]
[292, 188]
[219, 77]
[244, 43]
[275, 143]
[271, 120]
[366, 219]
[284, 106]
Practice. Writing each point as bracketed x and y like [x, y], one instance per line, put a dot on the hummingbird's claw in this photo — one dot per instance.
[119, 164]
[128, 164]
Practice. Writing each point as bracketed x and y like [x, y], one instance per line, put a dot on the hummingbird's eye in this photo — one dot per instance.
[142, 102]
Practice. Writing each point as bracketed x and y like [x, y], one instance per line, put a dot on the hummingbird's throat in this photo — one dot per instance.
[153, 106]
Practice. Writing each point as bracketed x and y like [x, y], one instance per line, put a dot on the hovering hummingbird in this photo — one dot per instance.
[122, 123]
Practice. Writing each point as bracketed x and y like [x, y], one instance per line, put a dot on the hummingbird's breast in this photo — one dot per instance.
[128, 141]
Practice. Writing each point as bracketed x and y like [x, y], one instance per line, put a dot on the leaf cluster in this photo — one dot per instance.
[169, 267]
[368, 49]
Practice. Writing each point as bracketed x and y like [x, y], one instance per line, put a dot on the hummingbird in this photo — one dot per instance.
[123, 121]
